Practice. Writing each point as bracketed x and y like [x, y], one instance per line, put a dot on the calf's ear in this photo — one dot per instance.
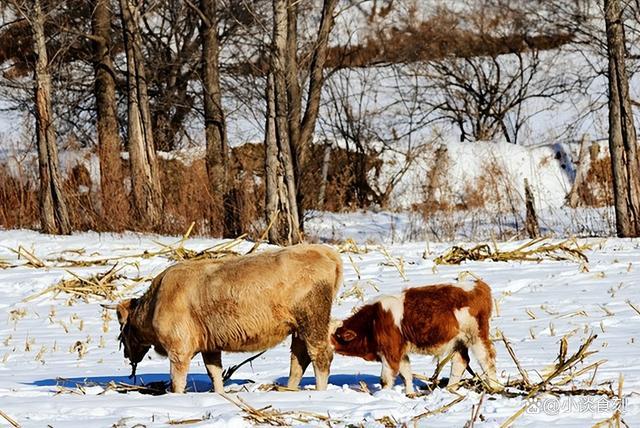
[348, 335]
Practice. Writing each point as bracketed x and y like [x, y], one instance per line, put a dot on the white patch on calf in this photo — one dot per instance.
[468, 325]
[467, 283]
[395, 305]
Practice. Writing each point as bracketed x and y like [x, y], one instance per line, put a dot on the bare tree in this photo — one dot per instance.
[115, 203]
[623, 145]
[289, 131]
[486, 96]
[281, 203]
[54, 217]
[145, 177]
[217, 157]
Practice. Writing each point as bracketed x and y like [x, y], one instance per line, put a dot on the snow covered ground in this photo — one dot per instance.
[48, 345]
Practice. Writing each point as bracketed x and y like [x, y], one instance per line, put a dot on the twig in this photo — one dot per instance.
[512, 354]
[261, 416]
[515, 416]
[634, 307]
[9, 419]
[32, 260]
[187, 421]
[226, 375]
[263, 236]
[439, 409]
[475, 412]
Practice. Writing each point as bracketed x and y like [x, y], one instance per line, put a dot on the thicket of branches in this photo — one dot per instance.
[326, 87]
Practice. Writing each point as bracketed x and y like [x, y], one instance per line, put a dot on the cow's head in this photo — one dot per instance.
[134, 348]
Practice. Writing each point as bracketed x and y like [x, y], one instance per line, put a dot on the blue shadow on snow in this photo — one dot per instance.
[195, 382]
[352, 380]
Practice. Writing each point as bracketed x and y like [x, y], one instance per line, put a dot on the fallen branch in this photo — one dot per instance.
[530, 251]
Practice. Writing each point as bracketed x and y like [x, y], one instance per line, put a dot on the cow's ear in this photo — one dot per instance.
[348, 335]
[123, 310]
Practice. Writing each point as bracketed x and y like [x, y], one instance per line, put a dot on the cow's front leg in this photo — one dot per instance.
[179, 370]
[213, 362]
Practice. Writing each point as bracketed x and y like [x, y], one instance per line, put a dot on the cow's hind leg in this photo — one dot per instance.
[314, 317]
[179, 369]
[213, 362]
[300, 360]
[459, 363]
[321, 356]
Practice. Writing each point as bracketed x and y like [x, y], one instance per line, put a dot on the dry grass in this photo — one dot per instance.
[32, 260]
[101, 285]
[534, 250]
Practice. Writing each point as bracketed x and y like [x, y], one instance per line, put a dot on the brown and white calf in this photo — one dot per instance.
[434, 320]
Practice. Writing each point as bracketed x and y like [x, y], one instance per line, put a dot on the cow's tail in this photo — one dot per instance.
[339, 275]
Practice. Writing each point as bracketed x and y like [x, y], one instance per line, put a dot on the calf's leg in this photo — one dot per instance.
[389, 372]
[485, 354]
[300, 360]
[459, 362]
[407, 375]
[213, 362]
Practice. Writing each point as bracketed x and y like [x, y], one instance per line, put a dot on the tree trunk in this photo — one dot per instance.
[294, 96]
[324, 176]
[115, 204]
[623, 147]
[316, 77]
[272, 167]
[307, 127]
[281, 185]
[226, 222]
[54, 217]
[145, 178]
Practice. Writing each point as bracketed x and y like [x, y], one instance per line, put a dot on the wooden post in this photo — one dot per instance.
[531, 222]
[582, 168]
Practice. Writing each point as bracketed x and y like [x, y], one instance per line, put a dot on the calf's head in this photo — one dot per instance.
[129, 336]
[355, 337]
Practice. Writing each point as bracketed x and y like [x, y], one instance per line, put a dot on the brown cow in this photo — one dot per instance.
[434, 320]
[242, 304]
